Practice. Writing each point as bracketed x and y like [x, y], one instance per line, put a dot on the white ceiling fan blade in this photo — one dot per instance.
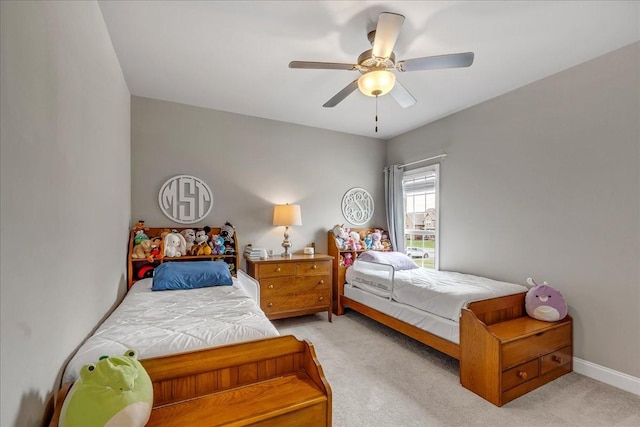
[321, 65]
[402, 95]
[454, 60]
[387, 32]
[338, 97]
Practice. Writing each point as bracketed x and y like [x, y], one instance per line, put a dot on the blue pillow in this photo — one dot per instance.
[190, 275]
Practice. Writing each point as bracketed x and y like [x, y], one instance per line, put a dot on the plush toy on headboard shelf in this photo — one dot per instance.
[227, 231]
[543, 302]
[174, 245]
[115, 391]
[376, 240]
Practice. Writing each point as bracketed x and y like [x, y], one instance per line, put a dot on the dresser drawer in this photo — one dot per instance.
[527, 348]
[550, 361]
[277, 270]
[294, 285]
[305, 300]
[519, 374]
[313, 268]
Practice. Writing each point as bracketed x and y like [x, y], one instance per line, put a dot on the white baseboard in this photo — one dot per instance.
[607, 376]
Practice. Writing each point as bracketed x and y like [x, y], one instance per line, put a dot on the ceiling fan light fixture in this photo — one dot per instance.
[377, 82]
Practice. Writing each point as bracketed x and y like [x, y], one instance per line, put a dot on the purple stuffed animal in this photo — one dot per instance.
[543, 302]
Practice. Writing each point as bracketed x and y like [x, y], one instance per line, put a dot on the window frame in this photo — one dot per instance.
[422, 171]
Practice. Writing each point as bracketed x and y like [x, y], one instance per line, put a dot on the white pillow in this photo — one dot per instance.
[398, 260]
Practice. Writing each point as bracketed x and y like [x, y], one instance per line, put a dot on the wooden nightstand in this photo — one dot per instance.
[293, 286]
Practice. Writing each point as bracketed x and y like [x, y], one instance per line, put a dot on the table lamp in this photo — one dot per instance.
[286, 215]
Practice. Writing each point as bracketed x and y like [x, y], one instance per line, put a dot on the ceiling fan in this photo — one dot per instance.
[376, 64]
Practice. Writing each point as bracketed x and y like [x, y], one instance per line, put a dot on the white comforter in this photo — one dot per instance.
[165, 322]
[443, 293]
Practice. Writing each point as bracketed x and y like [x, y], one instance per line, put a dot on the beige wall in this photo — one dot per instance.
[65, 123]
[545, 182]
[251, 163]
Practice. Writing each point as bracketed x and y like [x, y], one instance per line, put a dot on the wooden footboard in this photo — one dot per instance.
[274, 381]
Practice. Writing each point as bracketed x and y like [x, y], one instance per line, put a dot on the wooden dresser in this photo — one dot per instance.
[505, 360]
[293, 286]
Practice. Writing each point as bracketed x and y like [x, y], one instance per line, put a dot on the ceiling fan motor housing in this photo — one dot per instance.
[368, 62]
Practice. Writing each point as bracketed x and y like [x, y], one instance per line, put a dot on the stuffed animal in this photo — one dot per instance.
[174, 245]
[355, 236]
[139, 226]
[341, 236]
[201, 244]
[347, 259]
[227, 231]
[217, 245]
[368, 241]
[115, 391]
[543, 302]
[376, 240]
[189, 235]
[139, 237]
[142, 250]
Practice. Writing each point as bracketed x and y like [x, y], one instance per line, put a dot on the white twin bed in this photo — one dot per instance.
[427, 299]
[167, 322]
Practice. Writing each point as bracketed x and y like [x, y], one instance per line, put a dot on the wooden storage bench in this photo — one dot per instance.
[270, 382]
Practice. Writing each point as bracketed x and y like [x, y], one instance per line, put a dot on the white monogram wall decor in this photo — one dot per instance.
[357, 206]
[185, 199]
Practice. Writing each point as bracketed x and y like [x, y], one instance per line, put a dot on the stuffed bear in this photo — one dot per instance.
[545, 303]
[114, 391]
[142, 250]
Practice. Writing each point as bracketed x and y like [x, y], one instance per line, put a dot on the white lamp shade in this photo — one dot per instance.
[287, 215]
[376, 83]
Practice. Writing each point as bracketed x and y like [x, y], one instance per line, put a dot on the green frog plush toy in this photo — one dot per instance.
[115, 391]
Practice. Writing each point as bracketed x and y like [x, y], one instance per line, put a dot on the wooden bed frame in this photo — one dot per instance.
[268, 382]
[487, 311]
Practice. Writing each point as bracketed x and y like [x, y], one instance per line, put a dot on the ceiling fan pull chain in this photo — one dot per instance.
[376, 113]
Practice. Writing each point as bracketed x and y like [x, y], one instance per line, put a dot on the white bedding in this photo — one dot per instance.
[443, 293]
[157, 323]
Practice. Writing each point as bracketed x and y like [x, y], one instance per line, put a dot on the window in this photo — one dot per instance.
[420, 196]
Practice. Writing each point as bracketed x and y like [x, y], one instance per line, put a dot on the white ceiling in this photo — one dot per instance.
[233, 56]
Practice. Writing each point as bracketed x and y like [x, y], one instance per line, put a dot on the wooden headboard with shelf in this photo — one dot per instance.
[338, 253]
[137, 266]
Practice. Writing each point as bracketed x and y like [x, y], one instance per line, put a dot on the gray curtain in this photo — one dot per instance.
[394, 205]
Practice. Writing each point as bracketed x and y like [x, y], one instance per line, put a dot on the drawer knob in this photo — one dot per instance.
[321, 282]
[320, 298]
[270, 304]
[556, 359]
[278, 269]
[270, 286]
[523, 375]
[314, 266]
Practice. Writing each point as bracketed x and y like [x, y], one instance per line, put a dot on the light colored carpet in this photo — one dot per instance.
[380, 377]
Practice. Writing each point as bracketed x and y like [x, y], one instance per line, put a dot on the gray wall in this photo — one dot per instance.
[545, 182]
[65, 123]
[250, 164]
